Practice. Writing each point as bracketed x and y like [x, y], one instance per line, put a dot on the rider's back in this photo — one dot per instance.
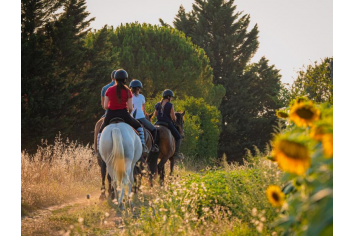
[164, 112]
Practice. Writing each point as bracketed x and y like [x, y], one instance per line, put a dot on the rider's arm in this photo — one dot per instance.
[155, 113]
[102, 102]
[106, 102]
[129, 104]
[144, 109]
[174, 118]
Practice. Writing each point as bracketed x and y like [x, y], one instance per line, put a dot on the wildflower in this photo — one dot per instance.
[327, 142]
[304, 114]
[275, 196]
[282, 114]
[254, 212]
[80, 220]
[291, 156]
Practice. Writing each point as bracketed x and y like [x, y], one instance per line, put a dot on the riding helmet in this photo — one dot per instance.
[121, 75]
[168, 92]
[135, 84]
[113, 74]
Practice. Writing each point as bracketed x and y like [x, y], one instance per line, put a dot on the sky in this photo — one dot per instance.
[292, 33]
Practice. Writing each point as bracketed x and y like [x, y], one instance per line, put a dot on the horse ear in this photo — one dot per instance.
[183, 113]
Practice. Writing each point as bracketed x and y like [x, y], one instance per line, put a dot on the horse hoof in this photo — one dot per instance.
[102, 197]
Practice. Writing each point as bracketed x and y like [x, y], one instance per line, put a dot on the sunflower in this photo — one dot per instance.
[327, 142]
[319, 130]
[304, 114]
[275, 196]
[292, 156]
[282, 114]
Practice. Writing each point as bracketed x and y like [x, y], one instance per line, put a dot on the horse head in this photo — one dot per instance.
[180, 122]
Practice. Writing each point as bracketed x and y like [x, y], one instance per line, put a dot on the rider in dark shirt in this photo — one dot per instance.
[164, 111]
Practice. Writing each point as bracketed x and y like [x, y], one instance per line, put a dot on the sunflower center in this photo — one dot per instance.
[305, 113]
[293, 150]
[275, 196]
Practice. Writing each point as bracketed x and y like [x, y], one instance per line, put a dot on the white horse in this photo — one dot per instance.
[120, 147]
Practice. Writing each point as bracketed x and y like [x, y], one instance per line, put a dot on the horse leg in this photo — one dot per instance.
[172, 165]
[152, 165]
[130, 184]
[162, 176]
[103, 175]
[111, 189]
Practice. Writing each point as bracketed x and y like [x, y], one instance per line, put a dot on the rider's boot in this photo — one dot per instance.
[98, 153]
[178, 156]
[142, 137]
[155, 147]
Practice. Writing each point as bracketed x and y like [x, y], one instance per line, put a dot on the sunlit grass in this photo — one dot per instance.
[57, 173]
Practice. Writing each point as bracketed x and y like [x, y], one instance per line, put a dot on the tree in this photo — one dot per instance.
[315, 82]
[163, 57]
[252, 91]
[52, 63]
[251, 120]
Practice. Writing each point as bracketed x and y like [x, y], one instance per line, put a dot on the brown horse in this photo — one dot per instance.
[166, 148]
[140, 164]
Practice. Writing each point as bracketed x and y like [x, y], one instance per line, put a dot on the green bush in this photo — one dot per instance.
[201, 127]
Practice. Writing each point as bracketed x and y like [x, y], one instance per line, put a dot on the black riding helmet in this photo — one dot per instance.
[135, 84]
[168, 92]
[113, 74]
[121, 75]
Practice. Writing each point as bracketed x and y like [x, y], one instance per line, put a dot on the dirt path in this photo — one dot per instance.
[64, 218]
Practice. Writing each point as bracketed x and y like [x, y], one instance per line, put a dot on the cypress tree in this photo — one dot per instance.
[222, 32]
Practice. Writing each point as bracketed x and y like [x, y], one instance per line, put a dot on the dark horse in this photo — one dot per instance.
[166, 148]
[102, 164]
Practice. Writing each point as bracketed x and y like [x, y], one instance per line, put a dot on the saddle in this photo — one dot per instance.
[116, 120]
[165, 124]
[119, 120]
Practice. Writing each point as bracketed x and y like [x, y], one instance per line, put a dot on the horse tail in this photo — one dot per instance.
[117, 155]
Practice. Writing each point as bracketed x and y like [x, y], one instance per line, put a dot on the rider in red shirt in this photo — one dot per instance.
[118, 102]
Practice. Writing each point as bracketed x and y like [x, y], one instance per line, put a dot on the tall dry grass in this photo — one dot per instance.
[57, 173]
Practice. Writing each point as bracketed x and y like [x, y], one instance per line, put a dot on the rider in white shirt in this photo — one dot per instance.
[139, 111]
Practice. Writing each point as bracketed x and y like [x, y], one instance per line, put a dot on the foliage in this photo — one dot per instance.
[315, 82]
[53, 57]
[202, 124]
[215, 201]
[309, 194]
[162, 57]
[250, 115]
[252, 91]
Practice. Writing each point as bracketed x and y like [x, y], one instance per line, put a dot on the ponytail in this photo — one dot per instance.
[120, 85]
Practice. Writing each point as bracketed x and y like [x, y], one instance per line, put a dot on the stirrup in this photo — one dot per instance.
[145, 149]
[155, 148]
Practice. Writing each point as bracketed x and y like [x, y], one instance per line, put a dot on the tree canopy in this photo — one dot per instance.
[315, 81]
[163, 57]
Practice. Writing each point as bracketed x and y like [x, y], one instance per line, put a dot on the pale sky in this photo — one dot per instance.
[293, 33]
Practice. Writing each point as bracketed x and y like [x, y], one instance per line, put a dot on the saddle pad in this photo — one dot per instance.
[119, 120]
